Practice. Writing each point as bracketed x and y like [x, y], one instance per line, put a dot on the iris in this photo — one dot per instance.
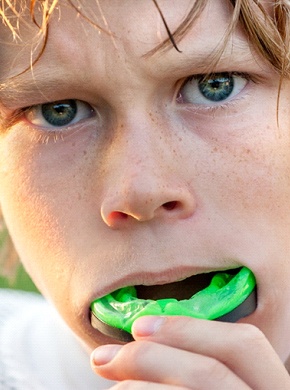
[216, 88]
[59, 113]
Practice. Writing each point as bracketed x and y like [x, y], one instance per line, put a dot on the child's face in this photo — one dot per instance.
[150, 181]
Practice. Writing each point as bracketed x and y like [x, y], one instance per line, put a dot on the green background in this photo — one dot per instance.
[20, 282]
[20, 279]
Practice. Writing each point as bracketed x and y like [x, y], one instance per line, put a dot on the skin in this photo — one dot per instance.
[151, 188]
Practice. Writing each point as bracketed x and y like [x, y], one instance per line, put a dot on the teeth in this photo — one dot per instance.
[182, 289]
[226, 292]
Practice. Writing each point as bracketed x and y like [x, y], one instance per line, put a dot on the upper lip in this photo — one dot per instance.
[168, 276]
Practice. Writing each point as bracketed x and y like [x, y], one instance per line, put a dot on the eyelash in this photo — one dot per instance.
[228, 103]
[55, 134]
[47, 135]
[43, 134]
[44, 137]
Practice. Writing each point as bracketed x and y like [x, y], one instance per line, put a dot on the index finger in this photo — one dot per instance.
[241, 347]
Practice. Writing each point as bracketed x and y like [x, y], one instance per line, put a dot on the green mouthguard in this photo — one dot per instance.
[224, 293]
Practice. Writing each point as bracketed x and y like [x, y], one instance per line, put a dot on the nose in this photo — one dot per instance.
[145, 181]
[143, 200]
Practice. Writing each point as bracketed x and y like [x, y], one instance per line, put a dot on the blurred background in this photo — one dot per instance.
[21, 281]
[12, 274]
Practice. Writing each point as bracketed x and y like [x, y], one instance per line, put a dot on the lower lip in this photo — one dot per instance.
[222, 300]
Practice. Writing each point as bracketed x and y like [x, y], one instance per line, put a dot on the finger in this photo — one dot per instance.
[243, 348]
[157, 363]
[140, 385]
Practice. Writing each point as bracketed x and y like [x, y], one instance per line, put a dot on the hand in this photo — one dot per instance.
[185, 353]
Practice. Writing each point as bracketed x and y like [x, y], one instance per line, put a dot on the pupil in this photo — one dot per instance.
[59, 113]
[215, 84]
[216, 89]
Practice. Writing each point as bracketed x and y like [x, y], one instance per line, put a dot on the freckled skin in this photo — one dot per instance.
[149, 189]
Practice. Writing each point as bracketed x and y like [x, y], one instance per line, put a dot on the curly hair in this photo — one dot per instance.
[266, 29]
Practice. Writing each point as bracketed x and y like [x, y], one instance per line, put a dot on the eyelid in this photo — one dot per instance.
[206, 76]
[211, 104]
[34, 114]
[255, 78]
[43, 134]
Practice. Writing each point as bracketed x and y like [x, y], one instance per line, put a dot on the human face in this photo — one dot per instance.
[152, 181]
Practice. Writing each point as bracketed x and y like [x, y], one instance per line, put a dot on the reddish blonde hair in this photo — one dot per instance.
[267, 29]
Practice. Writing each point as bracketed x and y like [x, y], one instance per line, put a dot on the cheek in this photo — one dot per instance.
[249, 181]
[41, 185]
[250, 168]
[31, 220]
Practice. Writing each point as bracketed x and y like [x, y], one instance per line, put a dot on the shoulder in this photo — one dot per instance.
[15, 307]
[32, 334]
[13, 296]
[13, 302]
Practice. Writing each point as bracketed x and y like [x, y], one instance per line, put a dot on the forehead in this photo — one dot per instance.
[112, 37]
[130, 26]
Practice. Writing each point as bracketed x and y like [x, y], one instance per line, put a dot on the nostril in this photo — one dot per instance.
[118, 215]
[119, 212]
[170, 205]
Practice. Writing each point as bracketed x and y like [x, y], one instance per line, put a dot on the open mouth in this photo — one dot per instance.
[183, 289]
[226, 296]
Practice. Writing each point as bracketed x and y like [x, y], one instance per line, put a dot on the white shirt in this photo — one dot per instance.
[38, 351]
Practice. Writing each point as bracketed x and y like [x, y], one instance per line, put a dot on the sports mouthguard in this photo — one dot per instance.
[227, 298]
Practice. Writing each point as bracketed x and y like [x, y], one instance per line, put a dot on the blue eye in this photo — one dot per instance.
[216, 89]
[59, 113]
[212, 89]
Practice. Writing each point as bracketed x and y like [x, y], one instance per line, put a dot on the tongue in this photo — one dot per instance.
[184, 289]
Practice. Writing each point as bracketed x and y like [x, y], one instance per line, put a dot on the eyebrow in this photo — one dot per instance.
[40, 82]
[231, 57]
[24, 85]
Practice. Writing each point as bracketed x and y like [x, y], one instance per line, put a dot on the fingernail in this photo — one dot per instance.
[146, 326]
[104, 354]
